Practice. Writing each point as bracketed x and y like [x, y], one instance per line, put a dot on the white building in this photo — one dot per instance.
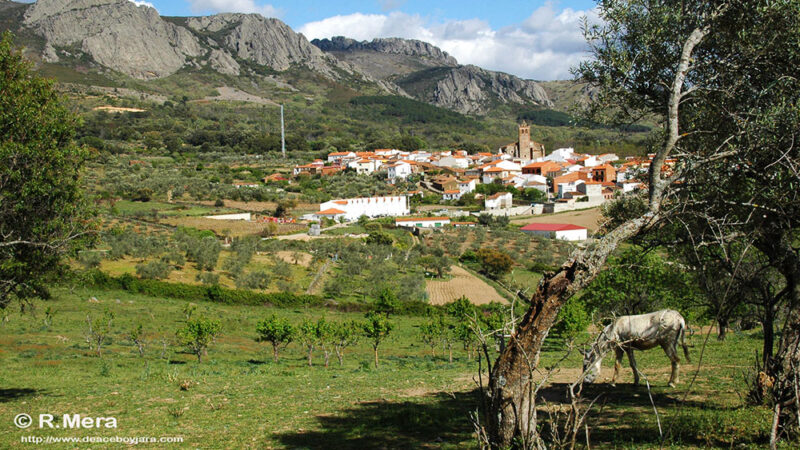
[336, 157]
[498, 200]
[399, 169]
[365, 166]
[353, 208]
[454, 194]
[466, 186]
[563, 231]
[458, 162]
[561, 155]
[422, 222]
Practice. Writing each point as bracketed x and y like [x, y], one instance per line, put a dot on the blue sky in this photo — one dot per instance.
[536, 39]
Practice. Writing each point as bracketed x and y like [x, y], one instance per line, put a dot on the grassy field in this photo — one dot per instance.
[239, 398]
[461, 284]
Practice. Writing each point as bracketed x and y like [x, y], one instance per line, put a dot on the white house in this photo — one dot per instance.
[563, 231]
[466, 186]
[561, 154]
[458, 162]
[353, 208]
[331, 213]
[422, 222]
[399, 169]
[498, 200]
[336, 157]
[453, 194]
[365, 166]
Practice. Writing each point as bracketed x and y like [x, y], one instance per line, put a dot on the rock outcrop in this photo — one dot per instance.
[116, 33]
[397, 46]
[267, 42]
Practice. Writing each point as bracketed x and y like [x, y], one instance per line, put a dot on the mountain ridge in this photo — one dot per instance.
[135, 41]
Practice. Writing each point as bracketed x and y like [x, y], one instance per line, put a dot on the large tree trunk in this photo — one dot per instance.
[511, 408]
[784, 368]
[722, 329]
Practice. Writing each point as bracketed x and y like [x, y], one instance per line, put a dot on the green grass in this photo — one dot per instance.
[131, 208]
[239, 398]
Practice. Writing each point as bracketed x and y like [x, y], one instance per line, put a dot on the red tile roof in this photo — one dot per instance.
[551, 227]
[331, 212]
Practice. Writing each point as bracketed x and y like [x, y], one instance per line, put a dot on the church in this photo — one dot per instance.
[524, 148]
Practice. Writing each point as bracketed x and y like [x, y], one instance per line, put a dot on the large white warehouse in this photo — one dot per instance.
[353, 208]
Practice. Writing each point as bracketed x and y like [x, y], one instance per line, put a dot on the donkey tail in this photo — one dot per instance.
[681, 339]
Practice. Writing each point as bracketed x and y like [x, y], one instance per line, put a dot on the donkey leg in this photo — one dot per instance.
[635, 369]
[672, 354]
[617, 364]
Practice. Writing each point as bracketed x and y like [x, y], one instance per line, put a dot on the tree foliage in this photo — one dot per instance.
[43, 213]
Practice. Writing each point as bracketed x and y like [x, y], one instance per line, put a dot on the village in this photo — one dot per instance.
[559, 181]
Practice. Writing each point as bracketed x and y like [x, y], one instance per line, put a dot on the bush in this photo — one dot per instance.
[198, 334]
[153, 270]
[255, 279]
[572, 319]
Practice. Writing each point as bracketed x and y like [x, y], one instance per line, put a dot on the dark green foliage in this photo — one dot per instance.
[153, 270]
[410, 111]
[494, 263]
[43, 214]
[572, 319]
[638, 282]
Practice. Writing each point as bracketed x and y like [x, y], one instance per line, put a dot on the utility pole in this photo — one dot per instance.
[283, 140]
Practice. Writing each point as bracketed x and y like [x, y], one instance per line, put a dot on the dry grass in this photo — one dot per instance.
[590, 218]
[461, 284]
[260, 206]
[303, 259]
[233, 227]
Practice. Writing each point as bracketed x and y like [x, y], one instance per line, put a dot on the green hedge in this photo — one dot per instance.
[218, 294]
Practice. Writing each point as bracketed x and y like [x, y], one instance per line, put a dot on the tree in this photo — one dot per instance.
[139, 338]
[198, 334]
[43, 213]
[345, 334]
[431, 331]
[637, 282]
[685, 65]
[494, 263]
[309, 337]
[387, 302]
[275, 330]
[97, 330]
[376, 329]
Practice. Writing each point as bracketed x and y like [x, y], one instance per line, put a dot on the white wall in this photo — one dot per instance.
[571, 235]
[370, 207]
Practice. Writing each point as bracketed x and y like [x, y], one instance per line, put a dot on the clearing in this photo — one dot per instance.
[462, 283]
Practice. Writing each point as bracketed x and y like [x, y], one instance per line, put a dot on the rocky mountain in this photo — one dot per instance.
[425, 72]
[137, 42]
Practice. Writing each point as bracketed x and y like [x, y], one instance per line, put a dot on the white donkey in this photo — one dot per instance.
[666, 328]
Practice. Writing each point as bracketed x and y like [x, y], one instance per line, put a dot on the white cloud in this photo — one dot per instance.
[240, 6]
[543, 46]
[143, 3]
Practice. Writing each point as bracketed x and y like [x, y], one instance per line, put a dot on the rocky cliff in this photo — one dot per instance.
[425, 72]
[116, 33]
[396, 46]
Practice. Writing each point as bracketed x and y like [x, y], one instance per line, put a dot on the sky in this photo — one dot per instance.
[535, 39]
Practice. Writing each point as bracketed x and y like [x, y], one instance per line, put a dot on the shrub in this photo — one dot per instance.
[198, 334]
[153, 270]
[277, 331]
[572, 319]
[256, 279]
